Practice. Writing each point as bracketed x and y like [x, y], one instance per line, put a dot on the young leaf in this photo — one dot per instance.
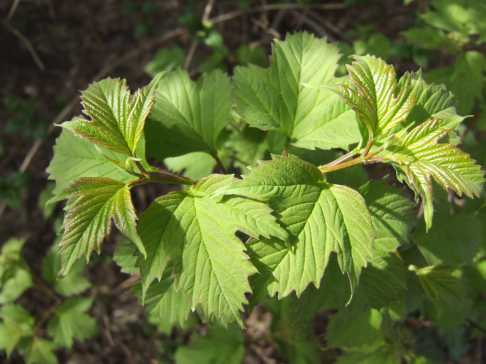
[188, 116]
[439, 284]
[163, 301]
[220, 346]
[72, 322]
[75, 158]
[419, 157]
[116, 123]
[453, 239]
[379, 107]
[93, 203]
[17, 323]
[74, 283]
[320, 218]
[432, 101]
[275, 99]
[197, 233]
[40, 352]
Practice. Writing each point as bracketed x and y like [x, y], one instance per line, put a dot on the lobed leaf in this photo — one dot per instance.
[275, 98]
[320, 217]
[453, 238]
[220, 346]
[93, 202]
[440, 285]
[163, 301]
[116, 120]
[124, 256]
[75, 158]
[420, 157]
[40, 352]
[197, 233]
[188, 116]
[17, 323]
[374, 97]
[74, 283]
[71, 322]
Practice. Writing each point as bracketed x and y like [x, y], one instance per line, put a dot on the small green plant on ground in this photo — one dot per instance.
[306, 229]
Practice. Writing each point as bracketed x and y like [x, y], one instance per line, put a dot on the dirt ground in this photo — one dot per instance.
[78, 41]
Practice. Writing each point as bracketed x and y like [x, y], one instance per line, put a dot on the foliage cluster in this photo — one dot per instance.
[306, 229]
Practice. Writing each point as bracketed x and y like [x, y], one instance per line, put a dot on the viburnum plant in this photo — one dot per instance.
[305, 223]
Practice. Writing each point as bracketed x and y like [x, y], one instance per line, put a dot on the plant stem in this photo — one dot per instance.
[285, 152]
[220, 164]
[140, 167]
[340, 159]
[325, 169]
[44, 318]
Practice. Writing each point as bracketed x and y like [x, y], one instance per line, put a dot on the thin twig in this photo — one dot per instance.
[91, 29]
[329, 25]
[207, 10]
[12, 10]
[220, 164]
[269, 7]
[190, 54]
[27, 45]
[472, 323]
[340, 159]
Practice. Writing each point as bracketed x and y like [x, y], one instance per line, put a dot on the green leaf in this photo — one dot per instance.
[463, 16]
[432, 101]
[419, 157]
[374, 97]
[71, 322]
[440, 285]
[320, 218]
[165, 60]
[291, 338]
[250, 147]
[453, 239]
[334, 286]
[93, 203]
[427, 38]
[190, 221]
[363, 329]
[44, 196]
[163, 301]
[125, 257]
[391, 212]
[17, 323]
[255, 55]
[465, 80]
[377, 353]
[40, 352]
[275, 99]
[195, 165]
[74, 283]
[75, 158]
[116, 123]
[220, 346]
[188, 116]
[16, 285]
